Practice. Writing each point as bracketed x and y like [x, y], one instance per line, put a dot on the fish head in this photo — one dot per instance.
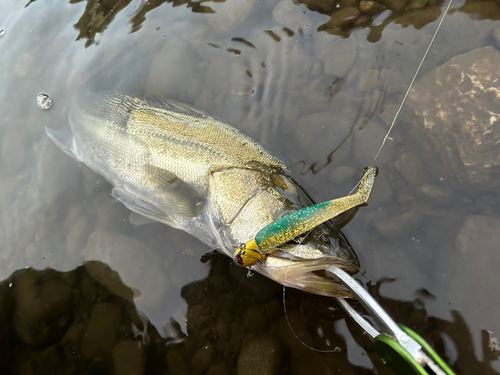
[302, 266]
[243, 201]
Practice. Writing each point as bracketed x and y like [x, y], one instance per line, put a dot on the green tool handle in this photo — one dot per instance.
[402, 363]
[429, 351]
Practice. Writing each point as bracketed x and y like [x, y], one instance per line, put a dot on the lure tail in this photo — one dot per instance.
[298, 222]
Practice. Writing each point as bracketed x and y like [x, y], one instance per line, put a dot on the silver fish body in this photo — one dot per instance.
[178, 165]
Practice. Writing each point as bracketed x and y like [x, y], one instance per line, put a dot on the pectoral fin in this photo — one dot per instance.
[180, 198]
[63, 139]
[141, 207]
[138, 220]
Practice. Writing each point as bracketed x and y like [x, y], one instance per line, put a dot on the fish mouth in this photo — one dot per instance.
[307, 274]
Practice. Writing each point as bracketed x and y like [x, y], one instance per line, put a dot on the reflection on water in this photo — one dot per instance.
[322, 101]
[344, 15]
[84, 320]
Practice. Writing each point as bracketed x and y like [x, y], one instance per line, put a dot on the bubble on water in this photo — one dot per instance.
[2, 32]
[43, 101]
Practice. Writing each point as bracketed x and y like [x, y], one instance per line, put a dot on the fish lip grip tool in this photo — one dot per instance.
[400, 348]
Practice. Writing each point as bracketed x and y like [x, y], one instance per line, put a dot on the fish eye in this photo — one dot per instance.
[242, 245]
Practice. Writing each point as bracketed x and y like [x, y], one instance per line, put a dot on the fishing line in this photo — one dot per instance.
[355, 187]
[413, 79]
[290, 325]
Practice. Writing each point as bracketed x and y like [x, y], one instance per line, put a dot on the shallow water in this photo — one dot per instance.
[323, 102]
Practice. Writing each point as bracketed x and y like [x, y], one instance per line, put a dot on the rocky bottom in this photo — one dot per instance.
[70, 323]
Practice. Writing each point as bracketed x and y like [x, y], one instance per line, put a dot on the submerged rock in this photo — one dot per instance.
[293, 15]
[475, 261]
[368, 136]
[202, 358]
[261, 356]
[369, 80]
[420, 18]
[417, 4]
[101, 331]
[395, 4]
[411, 168]
[42, 306]
[343, 17]
[176, 363]
[23, 65]
[66, 323]
[458, 118]
[478, 232]
[229, 14]
[336, 54]
[437, 195]
[138, 266]
[5, 323]
[323, 131]
[482, 10]
[14, 148]
[218, 369]
[105, 275]
[370, 7]
[254, 319]
[129, 358]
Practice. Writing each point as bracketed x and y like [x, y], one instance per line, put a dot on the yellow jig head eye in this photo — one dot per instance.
[248, 257]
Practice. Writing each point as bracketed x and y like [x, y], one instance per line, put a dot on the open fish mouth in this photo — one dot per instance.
[306, 274]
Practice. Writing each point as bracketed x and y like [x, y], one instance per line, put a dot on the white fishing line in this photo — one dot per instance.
[413, 79]
[336, 350]
[355, 186]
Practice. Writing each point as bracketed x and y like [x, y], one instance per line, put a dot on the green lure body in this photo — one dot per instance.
[298, 222]
[293, 225]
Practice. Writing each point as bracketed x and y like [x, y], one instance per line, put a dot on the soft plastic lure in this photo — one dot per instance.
[298, 222]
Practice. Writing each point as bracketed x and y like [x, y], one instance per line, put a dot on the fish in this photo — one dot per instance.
[177, 165]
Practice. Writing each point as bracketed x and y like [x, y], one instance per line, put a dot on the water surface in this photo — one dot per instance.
[319, 91]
